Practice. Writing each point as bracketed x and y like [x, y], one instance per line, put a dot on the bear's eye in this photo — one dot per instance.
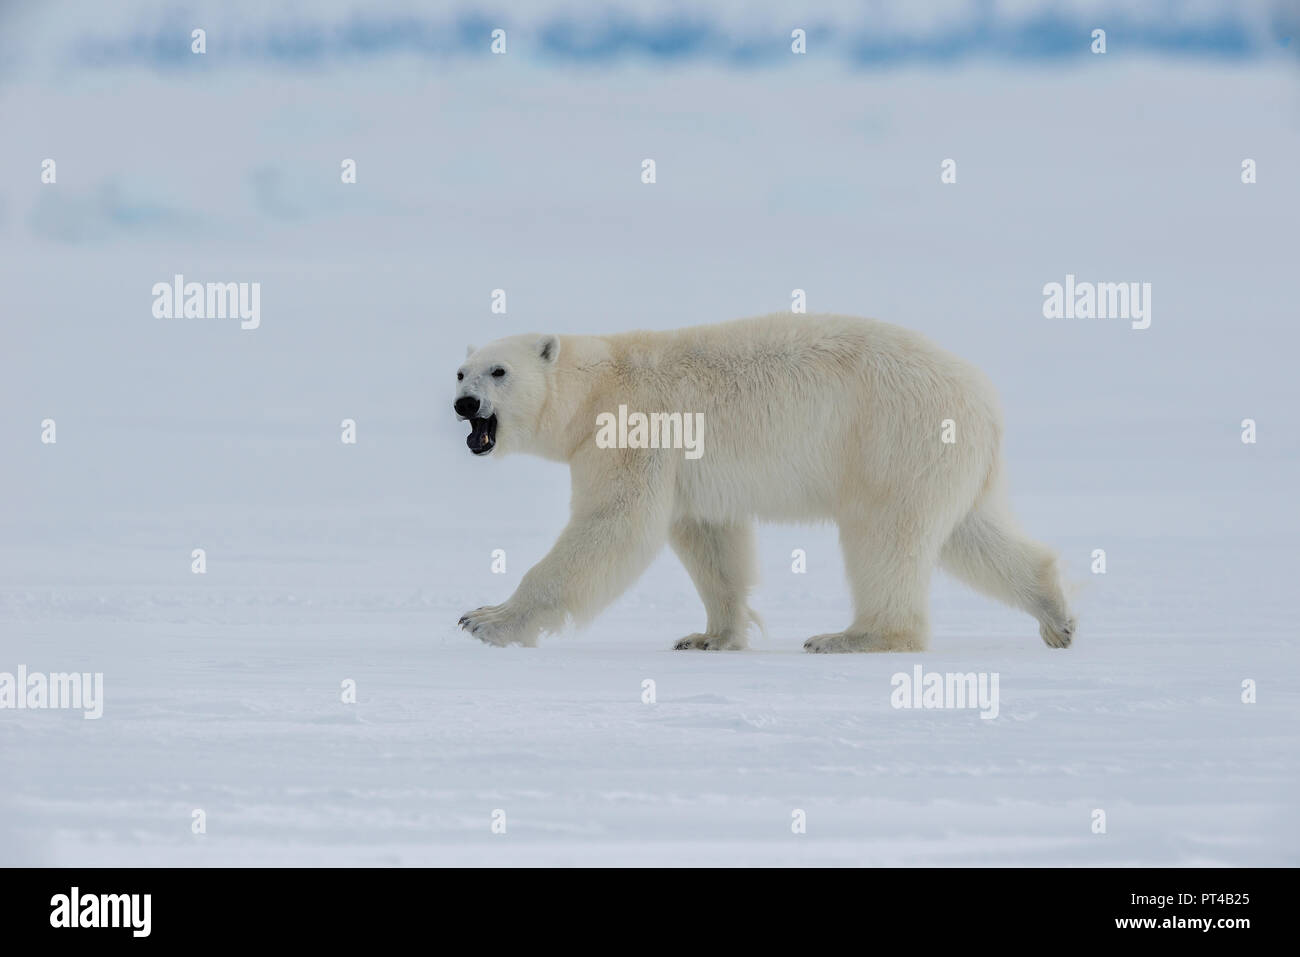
[498, 373]
[460, 376]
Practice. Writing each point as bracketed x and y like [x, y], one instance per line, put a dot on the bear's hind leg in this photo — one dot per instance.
[988, 551]
[888, 560]
[720, 560]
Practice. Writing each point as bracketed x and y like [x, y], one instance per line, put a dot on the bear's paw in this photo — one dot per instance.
[846, 643]
[699, 642]
[1058, 635]
[497, 625]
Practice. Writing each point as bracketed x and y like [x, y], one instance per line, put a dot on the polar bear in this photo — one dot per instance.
[806, 418]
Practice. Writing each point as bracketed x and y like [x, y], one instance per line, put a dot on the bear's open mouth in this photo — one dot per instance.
[482, 435]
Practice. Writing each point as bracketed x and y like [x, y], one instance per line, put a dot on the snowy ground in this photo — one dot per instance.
[329, 562]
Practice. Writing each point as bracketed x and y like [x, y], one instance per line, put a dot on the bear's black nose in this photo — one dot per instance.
[467, 406]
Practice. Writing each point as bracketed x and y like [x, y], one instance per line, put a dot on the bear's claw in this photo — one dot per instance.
[495, 625]
[845, 643]
[701, 642]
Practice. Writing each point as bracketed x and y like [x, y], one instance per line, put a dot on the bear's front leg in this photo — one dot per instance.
[621, 507]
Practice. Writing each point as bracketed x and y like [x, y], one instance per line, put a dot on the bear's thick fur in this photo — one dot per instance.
[805, 418]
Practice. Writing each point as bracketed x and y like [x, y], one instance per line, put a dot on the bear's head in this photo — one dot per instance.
[502, 389]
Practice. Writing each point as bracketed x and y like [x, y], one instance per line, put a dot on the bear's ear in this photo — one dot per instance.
[548, 347]
[469, 351]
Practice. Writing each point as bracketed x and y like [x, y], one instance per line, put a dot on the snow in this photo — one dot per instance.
[329, 562]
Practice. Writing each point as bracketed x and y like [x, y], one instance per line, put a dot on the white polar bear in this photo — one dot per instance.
[807, 418]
